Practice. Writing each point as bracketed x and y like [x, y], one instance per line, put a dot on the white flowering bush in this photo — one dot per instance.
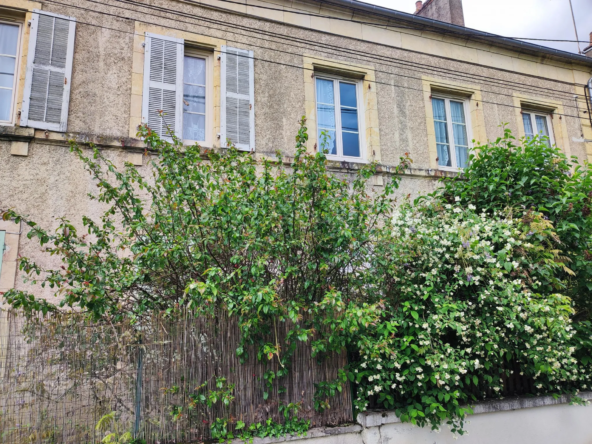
[462, 305]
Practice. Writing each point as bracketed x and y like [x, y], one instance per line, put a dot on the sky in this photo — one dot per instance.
[544, 19]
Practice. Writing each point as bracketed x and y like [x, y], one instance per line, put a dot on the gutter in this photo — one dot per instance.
[467, 32]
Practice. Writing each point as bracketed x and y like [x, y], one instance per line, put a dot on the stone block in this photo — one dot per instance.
[136, 106]
[11, 244]
[138, 62]
[8, 275]
[136, 158]
[137, 83]
[19, 148]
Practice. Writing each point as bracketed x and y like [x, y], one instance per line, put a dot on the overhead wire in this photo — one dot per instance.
[269, 61]
[415, 28]
[454, 75]
[405, 64]
[443, 71]
[249, 29]
[468, 35]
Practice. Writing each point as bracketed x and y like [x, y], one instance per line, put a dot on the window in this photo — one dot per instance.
[196, 112]
[9, 47]
[539, 122]
[338, 115]
[450, 118]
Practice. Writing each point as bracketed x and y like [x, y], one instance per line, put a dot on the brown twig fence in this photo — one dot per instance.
[60, 375]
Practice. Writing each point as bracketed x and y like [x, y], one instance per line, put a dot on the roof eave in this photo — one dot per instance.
[484, 36]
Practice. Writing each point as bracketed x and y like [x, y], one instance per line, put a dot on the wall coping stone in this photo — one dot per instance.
[379, 418]
[319, 432]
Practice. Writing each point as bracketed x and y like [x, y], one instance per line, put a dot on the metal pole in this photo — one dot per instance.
[138, 389]
[575, 27]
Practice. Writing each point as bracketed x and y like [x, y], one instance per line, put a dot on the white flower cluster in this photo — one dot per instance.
[466, 303]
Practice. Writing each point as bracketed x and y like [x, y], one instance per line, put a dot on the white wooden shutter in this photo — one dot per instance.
[49, 72]
[163, 84]
[238, 98]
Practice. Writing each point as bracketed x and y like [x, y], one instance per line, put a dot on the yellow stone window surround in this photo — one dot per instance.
[475, 119]
[195, 42]
[553, 108]
[19, 11]
[9, 252]
[369, 108]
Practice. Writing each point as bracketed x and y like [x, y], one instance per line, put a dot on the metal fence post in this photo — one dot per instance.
[138, 389]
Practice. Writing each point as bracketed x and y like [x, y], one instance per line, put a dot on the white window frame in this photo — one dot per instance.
[533, 113]
[465, 101]
[17, 66]
[338, 130]
[190, 51]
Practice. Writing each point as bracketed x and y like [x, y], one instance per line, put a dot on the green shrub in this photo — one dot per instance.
[532, 175]
[462, 308]
[432, 303]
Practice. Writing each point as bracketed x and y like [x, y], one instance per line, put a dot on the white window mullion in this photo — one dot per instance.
[451, 145]
[550, 129]
[338, 126]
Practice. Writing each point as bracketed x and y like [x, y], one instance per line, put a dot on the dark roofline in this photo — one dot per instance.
[469, 32]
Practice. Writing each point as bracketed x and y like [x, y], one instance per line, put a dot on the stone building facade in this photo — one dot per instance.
[381, 83]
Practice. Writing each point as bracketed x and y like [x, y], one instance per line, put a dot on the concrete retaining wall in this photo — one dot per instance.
[537, 420]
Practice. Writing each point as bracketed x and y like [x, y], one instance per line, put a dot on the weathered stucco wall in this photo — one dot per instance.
[49, 183]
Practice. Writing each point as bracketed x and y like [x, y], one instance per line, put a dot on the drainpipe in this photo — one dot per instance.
[590, 91]
[588, 97]
[589, 101]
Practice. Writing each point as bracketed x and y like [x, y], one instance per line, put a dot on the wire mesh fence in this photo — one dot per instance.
[61, 375]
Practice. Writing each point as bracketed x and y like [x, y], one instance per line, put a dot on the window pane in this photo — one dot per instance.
[194, 99]
[443, 155]
[527, 125]
[325, 93]
[439, 109]
[347, 94]
[460, 134]
[327, 143]
[194, 127]
[462, 156]
[541, 123]
[6, 80]
[349, 119]
[542, 128]
[457, 109]
[326, 116]
[441, 132]
[5, 104]
[351, 144]
[194, 70]
[7, 65]
[8, 39]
